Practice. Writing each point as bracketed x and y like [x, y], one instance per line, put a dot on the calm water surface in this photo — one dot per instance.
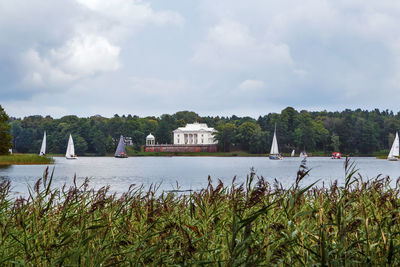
[187, 172]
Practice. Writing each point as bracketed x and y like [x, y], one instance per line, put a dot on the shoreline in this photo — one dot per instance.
[32, 159]
[25, 159]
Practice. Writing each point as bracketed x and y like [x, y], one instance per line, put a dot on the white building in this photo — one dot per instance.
[194, 134]
[128, 141]
[150, 140]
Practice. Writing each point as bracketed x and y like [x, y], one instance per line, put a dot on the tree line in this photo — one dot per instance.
[349, 131]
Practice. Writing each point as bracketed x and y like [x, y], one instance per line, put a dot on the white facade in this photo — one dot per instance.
[194, 134]
[150, 140]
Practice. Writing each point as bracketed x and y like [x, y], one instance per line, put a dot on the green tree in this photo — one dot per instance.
[288, 122]
[25, 141]
[321, 135]
[246, 132]
[80, 144]
[110, 144]
[298, 138]
[368, 140]
[187, 116]
[259, 142]
[225, 135]
[163, 133]
[335, 143]
[16, 130]
[97, 142]
[150, 126]
[5, 136]
[138, 138]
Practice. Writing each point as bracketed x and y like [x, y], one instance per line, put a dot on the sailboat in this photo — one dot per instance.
[121, 152]
[43, 147]
[70, 153]
[394, 151]
[303, 154]
[292, 154]
[274, 153]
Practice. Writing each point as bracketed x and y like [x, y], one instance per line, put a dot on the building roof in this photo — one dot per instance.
[150, 137]
[195, 127]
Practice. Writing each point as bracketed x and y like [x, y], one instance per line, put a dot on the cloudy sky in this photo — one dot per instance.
[252, 57]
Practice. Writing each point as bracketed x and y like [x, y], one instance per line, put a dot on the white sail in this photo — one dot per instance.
[274, 147]
[70, 153]
[394, 151]
[292, 155]
[396, 145]
[43, 148]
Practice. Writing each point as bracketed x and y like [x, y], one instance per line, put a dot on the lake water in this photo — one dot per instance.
[190, 173]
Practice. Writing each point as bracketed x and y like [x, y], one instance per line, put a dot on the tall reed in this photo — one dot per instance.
[241, 224]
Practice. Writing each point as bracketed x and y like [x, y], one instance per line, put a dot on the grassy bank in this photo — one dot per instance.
[240, 224]
[24, 159]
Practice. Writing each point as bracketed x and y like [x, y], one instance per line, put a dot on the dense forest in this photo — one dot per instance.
[350, 131]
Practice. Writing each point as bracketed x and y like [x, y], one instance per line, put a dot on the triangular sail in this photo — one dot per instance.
[70, 153]
[396, 146]
[43, 147]
[394, 151]
[274, 147]
[121, 147]
[292, 155]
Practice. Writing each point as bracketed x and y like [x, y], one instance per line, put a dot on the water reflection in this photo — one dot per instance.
[5, 167]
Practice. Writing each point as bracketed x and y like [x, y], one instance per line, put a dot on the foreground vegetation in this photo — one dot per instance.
[21, 159]
[240, 224]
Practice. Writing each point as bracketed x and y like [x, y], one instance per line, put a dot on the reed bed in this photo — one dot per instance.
[254, 223]
[22, 159]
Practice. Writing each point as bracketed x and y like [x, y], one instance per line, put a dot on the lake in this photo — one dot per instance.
[187, 173]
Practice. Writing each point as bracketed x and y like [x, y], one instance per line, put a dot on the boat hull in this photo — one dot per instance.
[392, 159]
[71, 158]
[121, 156]
[275, 157]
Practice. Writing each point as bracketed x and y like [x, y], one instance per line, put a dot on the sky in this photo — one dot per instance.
[248, 58]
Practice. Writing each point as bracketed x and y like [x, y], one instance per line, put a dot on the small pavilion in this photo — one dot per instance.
[150, 140]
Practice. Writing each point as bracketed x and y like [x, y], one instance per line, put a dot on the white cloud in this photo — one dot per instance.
[229, 45]
[86, 55]
[131, 13]
[251, 85]
[42, 72]
[80, 57]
